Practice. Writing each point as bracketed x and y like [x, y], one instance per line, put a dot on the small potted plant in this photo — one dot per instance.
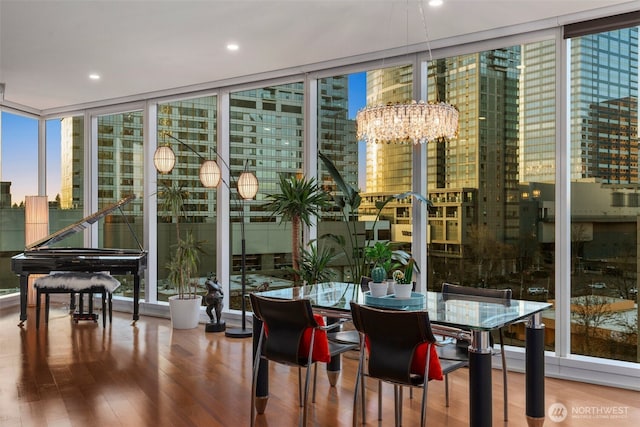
[379, 285]
[403, 286]
[380, 255]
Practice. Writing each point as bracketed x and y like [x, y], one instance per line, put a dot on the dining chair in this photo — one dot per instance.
[451, 291]
[396, 347]
[292, 335]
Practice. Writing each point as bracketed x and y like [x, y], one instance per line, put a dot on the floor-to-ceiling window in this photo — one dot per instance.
[65, 175]
[605, 194]
[120, 174]
[18, 153]
[266, 129]
[189, 127]
[375, 171]
[493, 186]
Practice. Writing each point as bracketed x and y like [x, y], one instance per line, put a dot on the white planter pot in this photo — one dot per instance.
[402, 290]
[378, 289]
[185, 313]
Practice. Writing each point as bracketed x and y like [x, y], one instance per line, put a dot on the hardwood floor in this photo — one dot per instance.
[81, 374]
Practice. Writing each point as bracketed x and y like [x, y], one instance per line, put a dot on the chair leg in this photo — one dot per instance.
[364, 389]
[446, 390]
[315, 381]
[359, 387]
[397, 394]
[81, 302]
[90, 293]
[110, 307]
[306, 396]
[300, 386]
[379, 400]
[47, 304]
[254, 380]
[504, 377]
[423, 411]
[104, 308]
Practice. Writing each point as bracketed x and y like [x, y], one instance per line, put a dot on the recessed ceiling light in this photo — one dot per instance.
[435, 3]
[94, 76]
[233, 47]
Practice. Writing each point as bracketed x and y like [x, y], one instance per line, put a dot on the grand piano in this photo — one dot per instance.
[41, 258]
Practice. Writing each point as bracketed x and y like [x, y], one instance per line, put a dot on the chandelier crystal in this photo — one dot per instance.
[415, 122]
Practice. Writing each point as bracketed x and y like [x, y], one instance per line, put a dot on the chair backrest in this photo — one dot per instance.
[364, 283]
[451, 291]
[392, 337]
[286, 322]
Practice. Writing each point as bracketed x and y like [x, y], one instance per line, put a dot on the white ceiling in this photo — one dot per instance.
[49, 47]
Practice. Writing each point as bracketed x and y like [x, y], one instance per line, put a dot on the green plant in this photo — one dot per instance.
[186, 257]
[314, 264]
[348, 201]
[298, 201]
[380, 255]
[404, 276]
[378, 274]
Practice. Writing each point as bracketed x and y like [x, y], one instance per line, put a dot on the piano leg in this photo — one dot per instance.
[136, 298]
[24, 280]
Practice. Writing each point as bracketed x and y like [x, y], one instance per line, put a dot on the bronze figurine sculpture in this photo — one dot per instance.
[213, 299]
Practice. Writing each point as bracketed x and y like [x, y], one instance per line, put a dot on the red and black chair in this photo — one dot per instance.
[292, 335]
[397, 347]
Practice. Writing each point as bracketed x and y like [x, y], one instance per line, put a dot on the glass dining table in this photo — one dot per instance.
[448, 314]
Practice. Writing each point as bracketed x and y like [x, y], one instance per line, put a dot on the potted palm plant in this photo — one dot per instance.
[183, 265]
[298, 201]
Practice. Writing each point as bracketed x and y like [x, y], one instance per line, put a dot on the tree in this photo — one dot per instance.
[298, 201]
[487, 253]
[591, 312]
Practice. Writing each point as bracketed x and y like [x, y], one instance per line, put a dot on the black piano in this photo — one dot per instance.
[41, 258]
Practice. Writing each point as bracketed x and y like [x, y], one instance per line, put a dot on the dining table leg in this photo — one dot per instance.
[480, 398]
[534, 374]
[334, 365]
[262, 381]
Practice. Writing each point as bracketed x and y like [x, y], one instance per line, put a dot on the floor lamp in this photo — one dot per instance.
[36, 227]
[247, 185]
[247, 189]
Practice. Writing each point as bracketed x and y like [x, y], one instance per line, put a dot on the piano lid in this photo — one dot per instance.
[79, 226]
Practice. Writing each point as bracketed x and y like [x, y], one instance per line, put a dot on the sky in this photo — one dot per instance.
[19, 147]
[20, 153]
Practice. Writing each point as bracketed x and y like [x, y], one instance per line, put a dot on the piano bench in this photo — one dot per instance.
[82, 284]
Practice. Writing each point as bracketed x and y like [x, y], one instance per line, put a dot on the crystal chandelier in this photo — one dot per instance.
[410, 122]
[416, 122]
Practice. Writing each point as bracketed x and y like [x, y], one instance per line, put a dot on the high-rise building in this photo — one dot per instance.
[71, 159]
[604, 109]
[473, 179]
[389, 166]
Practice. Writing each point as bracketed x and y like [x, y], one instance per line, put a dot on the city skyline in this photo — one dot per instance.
[19, 141]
